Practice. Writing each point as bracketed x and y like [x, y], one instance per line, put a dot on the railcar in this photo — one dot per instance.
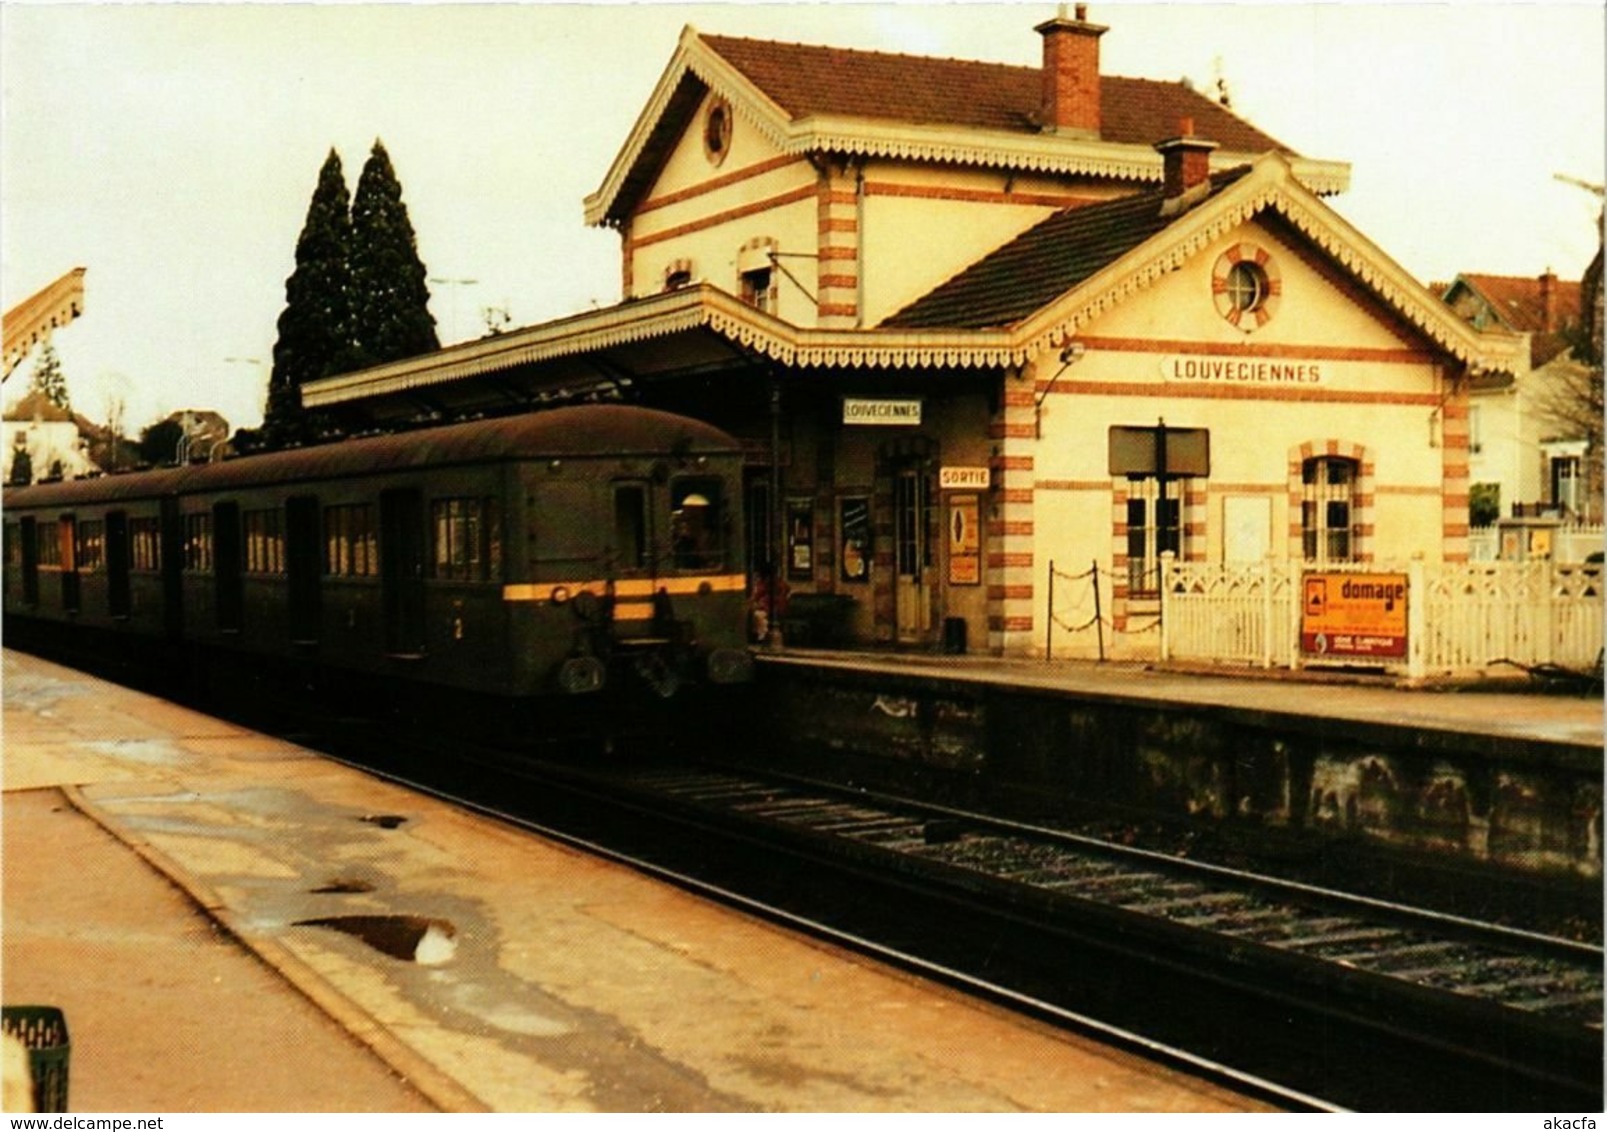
[590, 552]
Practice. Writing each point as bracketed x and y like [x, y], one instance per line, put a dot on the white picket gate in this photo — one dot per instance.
[1462, 617]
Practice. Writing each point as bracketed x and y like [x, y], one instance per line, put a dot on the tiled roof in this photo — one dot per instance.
[34, 405]
[1044, 262]
[805, 80]
[1516, 299]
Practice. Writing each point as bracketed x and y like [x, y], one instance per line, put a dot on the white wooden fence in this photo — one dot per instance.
[1461, 617]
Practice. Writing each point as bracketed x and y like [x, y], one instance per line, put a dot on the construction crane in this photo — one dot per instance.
[30, 322]
[1577, 183]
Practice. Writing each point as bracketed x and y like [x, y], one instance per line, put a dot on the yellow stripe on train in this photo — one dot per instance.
[625, 588]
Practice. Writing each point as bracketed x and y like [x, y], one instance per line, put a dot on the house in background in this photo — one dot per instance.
[1516, 445]
[43, 440]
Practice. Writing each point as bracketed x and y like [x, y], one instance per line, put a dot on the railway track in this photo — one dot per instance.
[1308, 997]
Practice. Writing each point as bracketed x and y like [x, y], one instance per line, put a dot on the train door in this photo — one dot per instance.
[30, 562]
[401, 562]
[67, 530]
[228, 563]
[171, 558]
[303, 568]
[912, 554]
[118, 597]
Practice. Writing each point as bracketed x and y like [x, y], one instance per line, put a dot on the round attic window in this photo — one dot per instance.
[1246, 286]
[717, 130]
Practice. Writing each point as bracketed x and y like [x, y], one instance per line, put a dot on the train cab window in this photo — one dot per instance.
[630, 526]
[697, 524]
[198, 542]
[468, 539]
[91, 550]
[265, 541]
[145, 544]
[13, 545]
[351, 545]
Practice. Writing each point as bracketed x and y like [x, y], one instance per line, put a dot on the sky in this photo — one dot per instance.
[172, 149]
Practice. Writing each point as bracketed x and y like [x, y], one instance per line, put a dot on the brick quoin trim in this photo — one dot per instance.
[976, 196]
[1241, 350]
[1249, 392]
[805, 193]
[714, 184]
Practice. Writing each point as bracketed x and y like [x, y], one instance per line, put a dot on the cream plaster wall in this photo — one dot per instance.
[1129, 375]
[713, 249]
[912, 243]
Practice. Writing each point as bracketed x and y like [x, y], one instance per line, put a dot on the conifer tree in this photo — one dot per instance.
[48, 378]
[315, 327]
[390, 298]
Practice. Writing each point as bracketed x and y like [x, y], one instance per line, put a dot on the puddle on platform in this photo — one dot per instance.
[415, 939]
[342, 886]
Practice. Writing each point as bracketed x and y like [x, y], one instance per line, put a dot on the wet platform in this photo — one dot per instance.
[161, 869]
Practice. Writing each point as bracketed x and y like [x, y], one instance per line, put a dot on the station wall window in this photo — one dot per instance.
[1327, 507]
[1154, 527]
[757, 288]
[265, 541]
[145, 544]
[351, 543]
[468, 539]
[697, 523]
[198, 542]
[91, 554]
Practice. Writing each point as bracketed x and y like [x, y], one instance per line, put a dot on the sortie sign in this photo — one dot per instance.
[951, 477]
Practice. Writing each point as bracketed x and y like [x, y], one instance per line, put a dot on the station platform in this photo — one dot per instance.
[1516, 712]
[161, 867]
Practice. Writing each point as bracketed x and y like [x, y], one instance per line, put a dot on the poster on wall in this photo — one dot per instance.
[965, 541]
[800, 539]
[1353, 615]
[854, 523]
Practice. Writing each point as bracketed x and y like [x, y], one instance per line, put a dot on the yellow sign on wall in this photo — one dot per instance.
[965, 541]
[1353, 615]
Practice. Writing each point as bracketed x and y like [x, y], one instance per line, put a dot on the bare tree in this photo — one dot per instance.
[1571, 401]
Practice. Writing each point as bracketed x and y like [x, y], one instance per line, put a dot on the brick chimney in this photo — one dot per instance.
[1070, 74]
[1548, 301]
[1187, 159]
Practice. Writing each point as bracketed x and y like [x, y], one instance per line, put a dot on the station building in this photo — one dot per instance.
[982, 325]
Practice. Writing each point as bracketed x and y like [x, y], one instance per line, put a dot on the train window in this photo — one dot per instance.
[697, 524]
[265, 541]
[198, 542]
[47, 542]
[145, 543]
[91, 553]
[13, 547]
[630, 525]
[351, 547]
[468, 539]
